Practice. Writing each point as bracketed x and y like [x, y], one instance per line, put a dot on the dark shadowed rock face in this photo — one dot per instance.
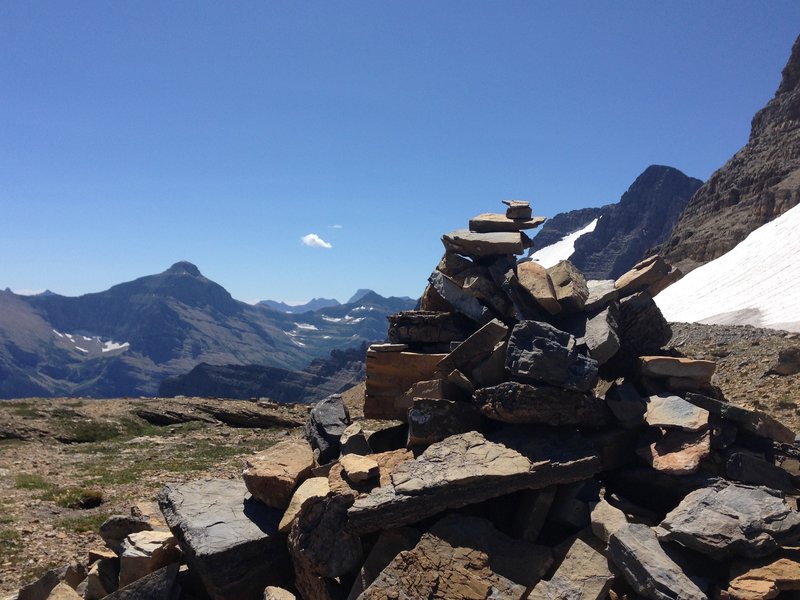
[565, 223]
[760, 182]
[644, 216]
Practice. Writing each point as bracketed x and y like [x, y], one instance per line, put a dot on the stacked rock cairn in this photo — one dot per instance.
[542, 444]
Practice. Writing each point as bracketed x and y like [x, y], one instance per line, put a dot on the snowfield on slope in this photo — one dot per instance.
[757, 283]
[564, 248]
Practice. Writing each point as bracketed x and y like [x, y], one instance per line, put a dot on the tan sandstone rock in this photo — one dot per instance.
[272, 475]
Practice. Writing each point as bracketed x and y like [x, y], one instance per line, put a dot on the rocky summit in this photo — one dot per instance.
[759, 183]
[509, 450]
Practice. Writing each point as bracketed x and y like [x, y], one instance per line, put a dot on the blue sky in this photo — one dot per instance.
[137, 134]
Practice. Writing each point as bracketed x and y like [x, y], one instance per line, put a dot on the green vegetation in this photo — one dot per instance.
[84, 432]
[10, 545]
[32, 481]
[83, 523]
[75, 497]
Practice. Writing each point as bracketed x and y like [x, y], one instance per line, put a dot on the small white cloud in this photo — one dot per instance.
[335, 226]
[313, 240]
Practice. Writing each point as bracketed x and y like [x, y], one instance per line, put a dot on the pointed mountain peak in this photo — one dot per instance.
[359, 295]
[184, 267]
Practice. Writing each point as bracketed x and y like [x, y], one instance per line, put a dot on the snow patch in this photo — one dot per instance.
[564, 248]
[306, 326]
[753, 284]
[61, 335]
[332, 319]
[109, 346]
[82, 349]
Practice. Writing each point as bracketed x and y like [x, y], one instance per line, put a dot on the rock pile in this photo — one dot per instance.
[547, 448]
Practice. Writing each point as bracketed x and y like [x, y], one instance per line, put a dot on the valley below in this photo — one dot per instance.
[66, 464]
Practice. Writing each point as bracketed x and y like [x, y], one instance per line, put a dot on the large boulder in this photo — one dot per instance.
[229, 541]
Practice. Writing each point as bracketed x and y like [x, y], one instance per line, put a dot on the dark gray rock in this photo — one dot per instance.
[753, 421]
[744, 467]
[354, 441]
[427, 327]
[601, 293]
[432, 420]
[116, 528]
[601, 336]
[231, 542]
[455, 295]
[474, 349]
[325, 425]
[627, 404]
[731, 519]
[788, 362]
[531, 513]
[159, 585]
[636, 552]
[319, 542]
[514, 402]
[540, 352]
[40, 589]
[469, 468]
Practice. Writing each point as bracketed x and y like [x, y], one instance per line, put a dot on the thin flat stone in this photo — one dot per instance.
[469, 468]
[491, 222]
[478, 245]
[750, 420]
[731, 519]
[670, 411]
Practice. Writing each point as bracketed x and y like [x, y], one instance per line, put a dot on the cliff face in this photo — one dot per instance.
[760, 182]
[565, 223]
[644, 217]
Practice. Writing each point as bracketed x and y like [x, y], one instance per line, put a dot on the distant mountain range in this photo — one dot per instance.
[317, 303]
[622, 232]
[126, 340]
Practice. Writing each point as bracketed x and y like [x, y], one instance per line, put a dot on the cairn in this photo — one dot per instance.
[548, 447]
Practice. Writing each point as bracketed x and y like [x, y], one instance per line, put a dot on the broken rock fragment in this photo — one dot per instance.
[514, 402]
[462, 557]
[582, 575]
[359, 468]
[431, 420]
[229, 541]
[635, 550]
[675, 452]
[534, 279]
[731, 519]
[469, 468]
[570, 286]
[668, 410]
[540, 352]
[273, 474]
[326, 424]
[312, 487]
[767, 577]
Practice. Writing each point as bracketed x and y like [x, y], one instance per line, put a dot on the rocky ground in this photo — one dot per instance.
[110, 455]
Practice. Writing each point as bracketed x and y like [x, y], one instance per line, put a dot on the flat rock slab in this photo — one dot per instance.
[670, 411]
[389, 376]
[514, 402]
[675, 452]
[643, 275]
[462, 557]
[767, 577]
[477, 245]
[635, 550]
[685, 368]
[489, 222]
[601, 293]
[160, 585]
[582, 575]
[518, 209]
[454, 295]
[469, 468]
[426, 327]
[475, 348]
[145, 552]
[730, 519]
[750, 420]
[230, 542]
[540, 352]
[273, 474]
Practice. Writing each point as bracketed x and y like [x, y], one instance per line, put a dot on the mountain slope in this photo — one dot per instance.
[127, 339]
[624, 231]
[754, 284]
[760, 182]
[313, 304]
